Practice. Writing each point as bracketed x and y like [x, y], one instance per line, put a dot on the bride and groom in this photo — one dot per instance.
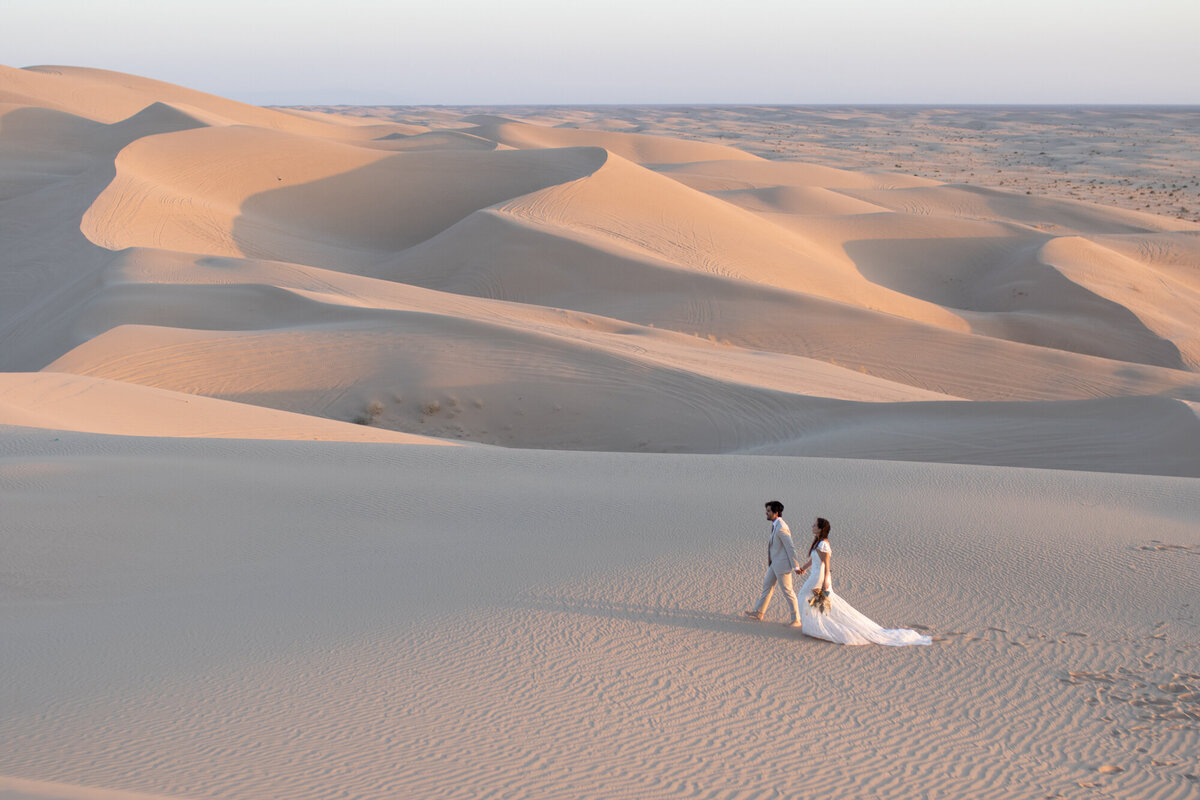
[824, 614]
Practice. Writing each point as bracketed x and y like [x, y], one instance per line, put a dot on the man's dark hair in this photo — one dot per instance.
[775, 506]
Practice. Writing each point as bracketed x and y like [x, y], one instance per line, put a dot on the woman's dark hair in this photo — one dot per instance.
[822, 533]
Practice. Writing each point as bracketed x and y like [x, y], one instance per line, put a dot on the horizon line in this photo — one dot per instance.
[744, 104]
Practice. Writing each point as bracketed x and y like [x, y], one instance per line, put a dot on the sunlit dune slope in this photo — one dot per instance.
[76, 403]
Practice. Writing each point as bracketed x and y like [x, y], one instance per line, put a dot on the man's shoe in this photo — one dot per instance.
[755, 615]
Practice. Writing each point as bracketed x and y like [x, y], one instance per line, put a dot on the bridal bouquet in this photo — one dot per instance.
[819, 601]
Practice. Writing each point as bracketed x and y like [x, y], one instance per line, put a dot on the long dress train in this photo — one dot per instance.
[843, 624]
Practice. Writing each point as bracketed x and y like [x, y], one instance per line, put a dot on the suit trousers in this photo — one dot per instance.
[785, 586]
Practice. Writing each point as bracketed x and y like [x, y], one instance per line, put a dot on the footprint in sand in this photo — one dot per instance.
[1157, 546]
[1170, 700]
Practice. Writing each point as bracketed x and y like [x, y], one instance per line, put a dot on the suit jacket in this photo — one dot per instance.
[783, 552]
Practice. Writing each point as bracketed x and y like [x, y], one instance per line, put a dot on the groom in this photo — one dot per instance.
[781, 563]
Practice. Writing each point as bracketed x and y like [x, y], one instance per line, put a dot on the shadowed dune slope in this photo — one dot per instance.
[52, 166]
[1164, 300]
[783, 204]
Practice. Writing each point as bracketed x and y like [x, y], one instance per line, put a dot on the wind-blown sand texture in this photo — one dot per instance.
[217, 585]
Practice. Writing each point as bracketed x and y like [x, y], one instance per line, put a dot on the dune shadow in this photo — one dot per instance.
[349, 220]
[1003, 289]
[54, 166]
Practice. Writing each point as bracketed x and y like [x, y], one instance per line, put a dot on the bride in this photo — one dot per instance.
[840, 623]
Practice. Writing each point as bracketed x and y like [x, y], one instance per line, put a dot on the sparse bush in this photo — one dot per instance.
[371, 415]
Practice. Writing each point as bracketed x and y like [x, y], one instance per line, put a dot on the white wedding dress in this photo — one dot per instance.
[842, 624]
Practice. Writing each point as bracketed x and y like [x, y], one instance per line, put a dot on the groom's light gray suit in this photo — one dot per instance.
[781, 563]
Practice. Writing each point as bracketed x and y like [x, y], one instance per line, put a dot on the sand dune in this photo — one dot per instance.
[76, 403]
[741, 299]
[710, 176]
[782, 204]
[435, 140]
[488, 381]
[635, 147]
[216, 584]
[533, 262]
[212, 191]
[110, 97]
[568, 227]
[1161, 300]
[691, 229]
[1138, 158]
[1057, 216]
[538, 389]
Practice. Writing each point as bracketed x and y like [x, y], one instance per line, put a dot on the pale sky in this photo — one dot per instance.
[463, 52]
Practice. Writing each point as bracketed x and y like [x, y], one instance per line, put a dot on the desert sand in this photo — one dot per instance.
[241, 562]
[1137, 157]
